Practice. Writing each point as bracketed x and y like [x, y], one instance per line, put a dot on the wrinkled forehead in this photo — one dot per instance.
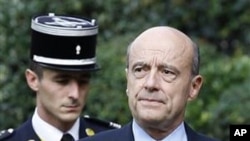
[162, 44]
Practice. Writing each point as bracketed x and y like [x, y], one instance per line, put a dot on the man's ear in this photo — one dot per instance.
[195, 87]
[32, 79]
[126, 72]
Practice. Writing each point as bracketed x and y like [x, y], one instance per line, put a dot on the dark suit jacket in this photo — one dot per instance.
[26, 132]
[125, 134]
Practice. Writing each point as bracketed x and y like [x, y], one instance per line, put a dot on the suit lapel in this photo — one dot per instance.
[126, 133]
[191, 134]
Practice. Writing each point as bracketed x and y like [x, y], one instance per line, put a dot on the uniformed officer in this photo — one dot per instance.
[62, 58]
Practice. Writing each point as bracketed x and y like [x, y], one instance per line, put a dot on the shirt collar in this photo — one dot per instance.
[47, 132]
[179, 134]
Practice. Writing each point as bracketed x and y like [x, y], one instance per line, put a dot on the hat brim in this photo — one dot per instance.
[86, 68]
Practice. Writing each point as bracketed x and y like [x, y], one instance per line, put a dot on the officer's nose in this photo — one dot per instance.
[74, 90]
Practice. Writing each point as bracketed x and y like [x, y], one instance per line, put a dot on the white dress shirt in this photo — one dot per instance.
[47, 132]
[179, 134]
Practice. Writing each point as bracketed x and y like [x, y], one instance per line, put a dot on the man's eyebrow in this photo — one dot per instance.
[170, 67]
[139, 64]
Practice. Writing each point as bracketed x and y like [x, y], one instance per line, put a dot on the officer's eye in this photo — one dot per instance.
[83, 81]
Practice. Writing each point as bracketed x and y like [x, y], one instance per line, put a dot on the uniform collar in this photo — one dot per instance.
[47, 132]
[179, 134]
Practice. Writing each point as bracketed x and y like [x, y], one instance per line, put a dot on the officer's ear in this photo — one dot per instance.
[32, 79]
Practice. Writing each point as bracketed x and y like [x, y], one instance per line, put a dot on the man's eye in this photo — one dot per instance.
[139, 72]
[167, 72]
[168, 75]
[138, 69]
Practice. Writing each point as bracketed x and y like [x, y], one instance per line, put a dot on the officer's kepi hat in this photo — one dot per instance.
[64, 42]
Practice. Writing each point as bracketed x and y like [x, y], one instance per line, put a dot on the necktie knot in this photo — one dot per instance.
[67, 137]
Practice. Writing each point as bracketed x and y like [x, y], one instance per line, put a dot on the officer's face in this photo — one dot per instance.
[61, 95]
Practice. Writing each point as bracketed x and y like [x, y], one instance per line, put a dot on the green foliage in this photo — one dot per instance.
[220, 27]
[234, 93]
[109, 85]
[226, 81]
[232, 108]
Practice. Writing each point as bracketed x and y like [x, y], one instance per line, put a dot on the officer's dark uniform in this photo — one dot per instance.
[64, 43]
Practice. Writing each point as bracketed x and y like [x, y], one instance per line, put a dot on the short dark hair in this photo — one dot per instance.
[38, 69]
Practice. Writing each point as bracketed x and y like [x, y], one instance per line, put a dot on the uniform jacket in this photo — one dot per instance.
[88, 127]
[126, 134]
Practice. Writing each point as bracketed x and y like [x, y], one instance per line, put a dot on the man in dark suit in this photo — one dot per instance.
[62, 59]
[162, 76]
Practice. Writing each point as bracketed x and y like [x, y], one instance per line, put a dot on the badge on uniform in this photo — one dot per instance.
[89, 131]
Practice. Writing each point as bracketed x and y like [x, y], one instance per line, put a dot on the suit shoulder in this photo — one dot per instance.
[100, 122]
[6, 134]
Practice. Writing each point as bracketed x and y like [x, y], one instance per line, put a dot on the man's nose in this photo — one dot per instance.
[152, 81]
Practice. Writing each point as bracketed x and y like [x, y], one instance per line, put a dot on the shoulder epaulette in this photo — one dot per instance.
[99, 121]
[4, 134]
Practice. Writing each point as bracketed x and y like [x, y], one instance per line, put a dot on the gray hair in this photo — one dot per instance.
[196, 60]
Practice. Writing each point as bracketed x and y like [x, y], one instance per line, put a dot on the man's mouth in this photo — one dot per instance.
[151, 101]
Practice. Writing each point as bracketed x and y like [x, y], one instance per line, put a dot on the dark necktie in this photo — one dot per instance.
[67, 137]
